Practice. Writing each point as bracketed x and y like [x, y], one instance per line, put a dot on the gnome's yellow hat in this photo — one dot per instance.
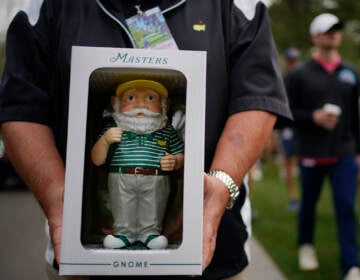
[159, 88]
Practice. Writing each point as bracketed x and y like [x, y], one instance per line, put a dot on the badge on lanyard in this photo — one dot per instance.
[150, 30]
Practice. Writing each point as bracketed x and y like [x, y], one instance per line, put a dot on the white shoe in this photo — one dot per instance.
[307, 257]
[156, 242]
[115, 242]
[353, 274]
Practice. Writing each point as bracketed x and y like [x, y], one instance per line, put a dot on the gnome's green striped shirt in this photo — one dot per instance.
[143, 150]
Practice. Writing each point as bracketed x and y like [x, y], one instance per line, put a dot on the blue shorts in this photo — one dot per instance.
[288, 141]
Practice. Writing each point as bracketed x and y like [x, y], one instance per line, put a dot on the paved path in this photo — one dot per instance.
[22, 237]
[22, 242]
[262, 267]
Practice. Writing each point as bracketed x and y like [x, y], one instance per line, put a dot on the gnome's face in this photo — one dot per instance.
[141, 110]
[140, 98]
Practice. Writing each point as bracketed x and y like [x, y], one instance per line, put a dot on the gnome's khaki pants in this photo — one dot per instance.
[138, 203]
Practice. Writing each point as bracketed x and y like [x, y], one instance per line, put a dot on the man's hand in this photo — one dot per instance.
[113, 135]
[241, 144]
[216, 197]
[325, 119]
[32, 150]
[55, 229]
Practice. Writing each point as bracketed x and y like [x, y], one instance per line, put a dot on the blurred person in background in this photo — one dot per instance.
[323, 95]
[292, 59]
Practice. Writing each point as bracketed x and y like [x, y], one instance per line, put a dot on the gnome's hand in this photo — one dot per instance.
[113, 135]
[171, 162]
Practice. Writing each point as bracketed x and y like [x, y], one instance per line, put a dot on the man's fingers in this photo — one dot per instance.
[55, 233]
[209, 232]
[209, 243]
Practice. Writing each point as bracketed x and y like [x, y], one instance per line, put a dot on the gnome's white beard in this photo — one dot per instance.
[151, 121]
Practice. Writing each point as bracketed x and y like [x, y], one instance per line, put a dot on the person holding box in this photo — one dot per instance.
[244, 97]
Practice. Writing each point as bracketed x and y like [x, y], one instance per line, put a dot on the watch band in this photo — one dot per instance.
[234, 189]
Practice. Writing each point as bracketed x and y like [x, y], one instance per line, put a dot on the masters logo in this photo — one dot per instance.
[131, 59]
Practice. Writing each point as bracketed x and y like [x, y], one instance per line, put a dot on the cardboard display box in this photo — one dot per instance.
[95, 74]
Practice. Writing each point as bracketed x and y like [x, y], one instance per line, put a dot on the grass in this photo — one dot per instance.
[275, 227]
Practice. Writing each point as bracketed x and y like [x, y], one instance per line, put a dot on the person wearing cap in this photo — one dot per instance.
[140, 149]
[324, 93]
[292, 58]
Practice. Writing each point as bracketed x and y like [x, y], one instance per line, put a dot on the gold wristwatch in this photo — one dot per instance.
[234, 189]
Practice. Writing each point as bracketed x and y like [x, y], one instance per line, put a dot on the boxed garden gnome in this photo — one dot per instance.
[133, 197]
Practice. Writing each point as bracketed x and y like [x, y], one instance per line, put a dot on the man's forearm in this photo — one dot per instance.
[242, 142]
[31, 148]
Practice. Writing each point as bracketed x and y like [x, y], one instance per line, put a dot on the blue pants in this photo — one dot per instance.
[343, 179]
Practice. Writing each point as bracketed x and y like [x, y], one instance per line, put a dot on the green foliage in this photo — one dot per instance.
[275, 227]
[290, 20]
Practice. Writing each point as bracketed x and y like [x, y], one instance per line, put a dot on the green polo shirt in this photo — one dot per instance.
[143, 150]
